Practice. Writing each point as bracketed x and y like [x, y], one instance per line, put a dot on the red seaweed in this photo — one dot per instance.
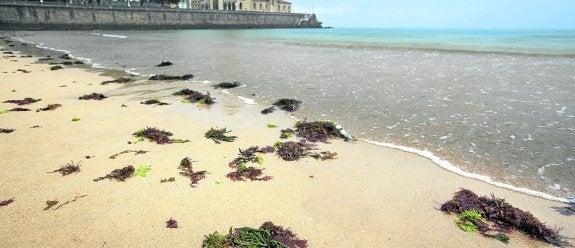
[171, 223]
[24, 101]
[6, 202]
[503, 215]
[159, 136]
[187, 170]
[242, 173]
[317, 131]
[119, 175]
[292, 151]
[285, 236]
[93, 96]
[68, 169]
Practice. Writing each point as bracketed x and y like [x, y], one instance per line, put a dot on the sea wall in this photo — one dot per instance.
[22, 16]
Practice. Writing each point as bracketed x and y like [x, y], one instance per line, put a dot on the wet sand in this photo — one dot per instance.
[369, 197]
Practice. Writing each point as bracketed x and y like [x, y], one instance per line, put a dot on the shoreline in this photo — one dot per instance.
[438, 160]
[365, 194]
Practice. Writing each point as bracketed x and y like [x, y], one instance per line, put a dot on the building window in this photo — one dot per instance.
[261, 6]
[240, 5]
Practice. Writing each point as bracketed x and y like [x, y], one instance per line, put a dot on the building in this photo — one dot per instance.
[280, 6]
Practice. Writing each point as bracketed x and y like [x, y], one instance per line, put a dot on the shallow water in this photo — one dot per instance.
[494, 102]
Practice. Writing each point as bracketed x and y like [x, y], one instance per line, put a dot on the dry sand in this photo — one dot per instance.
[369, 197]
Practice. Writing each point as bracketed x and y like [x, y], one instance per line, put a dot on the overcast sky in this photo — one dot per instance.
[442, 13]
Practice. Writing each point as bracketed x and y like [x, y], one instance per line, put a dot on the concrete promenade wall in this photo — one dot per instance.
[22, 16]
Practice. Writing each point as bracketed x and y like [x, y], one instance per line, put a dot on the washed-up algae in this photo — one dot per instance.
[154, 102]
[19, 109]
[93, 96]
[187, 170]
[119, 81]
[25, 101]
[6, 130]
[218, 135]
[317, 131]
[496, 215]
[69, 168]
[164, 63]
[171, 223]
[227, 85]
[166, 77]
[6, 202]
[292, 151]
[157, 135]
[119, 175]
[138, 152]
[289, 105]
[49, 107]
[267, 235]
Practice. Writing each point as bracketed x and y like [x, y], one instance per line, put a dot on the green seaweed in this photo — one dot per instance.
[499, 236]
[218, 135]
[470, 214]
[467, 226]
[142, 171]
[215, 240]
[272, 125]
[2, 111]
[260, 159]
[75, 119]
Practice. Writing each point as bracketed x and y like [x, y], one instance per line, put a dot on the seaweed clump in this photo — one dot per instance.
[171, 223]
[324, 155]
[186, 170]
[317, 130]
[292, 151]
[267, 235]
[268, 110]
[119, 81]
[192, 96]
[474, 211]
[68, 169]
[164, 63]
[19, 109]
[119, 175]
[244, 172]
[218, 135]
[56, 67]
[227, 85]
[6, 202]
[6, 130]
[49, 107]
[93, 96]
[24, 101]
[154, 102]
[166, 77]
[290, 105]
[159, 136]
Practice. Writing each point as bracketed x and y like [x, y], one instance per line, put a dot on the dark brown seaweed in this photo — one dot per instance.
[49, 107]
[68, 169]
[119, 81]
[93, 96]
[290, 105]
[6, 202]
[138, 152]
[166, 77]
[171, 223]
[227, 85]
[291, 151]
[119, 175]
[24, 101]
[164, 63]
[6, 130]
[154, 102]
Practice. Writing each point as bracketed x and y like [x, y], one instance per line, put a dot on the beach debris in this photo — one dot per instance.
[159, 136]
[119, 81]
[292, 151]
[243, 172]
[142, 171]
[171, 223]
[56, 67]
[76, 119]
[23, 71]
[138, 152]
[187, 170]
[286, 133]
[487, 215]
[171, 179]
[6, 202]
[267, 235]
[271, 125]
[49, 107]
[218, 135]
[268, 110]
[66, 56]
[93, 96]
[50, 204]
[119, 175]
[164, 63]
[166, 77]
[6, 130]
[289, 105]
[325, 155]
[227, 85]
[19, 109]
[267, 149]
[154, 102]
[69, 168]
[25, 101]
[320, 131]
[192, 96]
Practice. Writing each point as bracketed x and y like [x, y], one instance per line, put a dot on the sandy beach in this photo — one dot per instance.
[368, 197]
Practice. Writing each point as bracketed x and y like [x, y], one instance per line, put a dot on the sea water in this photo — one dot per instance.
[498, 103]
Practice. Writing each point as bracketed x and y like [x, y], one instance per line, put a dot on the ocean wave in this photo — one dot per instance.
[452, 168]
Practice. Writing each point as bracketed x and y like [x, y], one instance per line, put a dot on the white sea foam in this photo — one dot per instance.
[115, 36]
[247, 100]
[451, 167]
[132, 72]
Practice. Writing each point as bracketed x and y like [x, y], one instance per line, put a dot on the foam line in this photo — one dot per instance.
[451, 167]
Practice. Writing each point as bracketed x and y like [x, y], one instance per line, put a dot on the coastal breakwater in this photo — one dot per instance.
[23, 16]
